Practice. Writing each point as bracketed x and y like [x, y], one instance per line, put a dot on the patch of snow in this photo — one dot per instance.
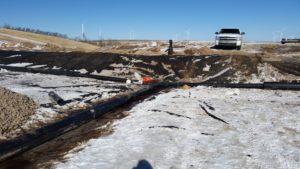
[105, 72]
[173, 131]
[125, 58]
[197, 60]
[37, 66]
[217, 75]
[95, 72]
[154, 63]
[56, 68]
[37, 47]
[13, 56]
[117, 65]
[206, 68]
[138, 77]
[82, 71]
[2, 42]
[3, 70]
[128, 81]
[24, 64]
[136, 61]
[233, 92]
[168, 68]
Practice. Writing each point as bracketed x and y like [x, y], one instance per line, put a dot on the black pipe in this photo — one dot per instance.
[55, 97]
[30, 140]
[281, 86]
[265, 85]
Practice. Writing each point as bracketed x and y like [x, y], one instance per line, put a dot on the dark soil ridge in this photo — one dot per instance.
[188, 68]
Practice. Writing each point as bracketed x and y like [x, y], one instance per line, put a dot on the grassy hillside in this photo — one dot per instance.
[39, 39]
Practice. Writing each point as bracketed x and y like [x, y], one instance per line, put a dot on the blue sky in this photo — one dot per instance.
[156, 19]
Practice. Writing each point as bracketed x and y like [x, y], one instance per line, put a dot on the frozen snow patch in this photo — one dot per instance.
[197, 60]
[172, 131]
[37, 47]
[13, 56]
[233, 92]
[56, 68]
[206, 68]
[19, 64]
[82, 71]
[3, 70]
[37, 66]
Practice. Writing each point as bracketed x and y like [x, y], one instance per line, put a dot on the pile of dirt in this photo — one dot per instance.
[15, 110]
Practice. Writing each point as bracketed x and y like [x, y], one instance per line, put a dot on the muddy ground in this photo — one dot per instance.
[15, 110]
[224, 67]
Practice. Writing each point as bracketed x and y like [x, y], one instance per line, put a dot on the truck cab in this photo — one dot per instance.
[229, 37]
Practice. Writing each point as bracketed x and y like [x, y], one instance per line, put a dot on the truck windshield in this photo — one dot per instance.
[235, 31]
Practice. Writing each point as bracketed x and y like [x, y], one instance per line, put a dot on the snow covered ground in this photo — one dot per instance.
[78, 92]
[174, 130]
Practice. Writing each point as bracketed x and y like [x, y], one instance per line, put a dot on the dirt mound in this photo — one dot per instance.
[15, 109]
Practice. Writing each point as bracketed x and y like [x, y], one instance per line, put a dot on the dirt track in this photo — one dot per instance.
[15, 109]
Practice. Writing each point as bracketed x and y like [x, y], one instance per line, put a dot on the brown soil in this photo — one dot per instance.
[15, 109]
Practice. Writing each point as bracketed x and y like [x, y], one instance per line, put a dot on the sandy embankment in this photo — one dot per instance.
[15, 110]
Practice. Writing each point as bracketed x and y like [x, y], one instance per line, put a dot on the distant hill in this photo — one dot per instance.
[20, 40]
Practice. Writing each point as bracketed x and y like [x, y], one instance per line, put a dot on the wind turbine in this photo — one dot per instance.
[176, 37]
[100, 33]
[278, 34]
[131, 35]
[83, 37]
[188, 32]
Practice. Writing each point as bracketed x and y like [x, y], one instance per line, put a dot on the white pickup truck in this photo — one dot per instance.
[229, 37]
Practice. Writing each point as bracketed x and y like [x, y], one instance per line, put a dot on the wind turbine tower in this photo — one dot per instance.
[83, 37]
[188, 33]
[131, 35]
[100, 33]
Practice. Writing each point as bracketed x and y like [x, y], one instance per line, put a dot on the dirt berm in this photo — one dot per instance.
[15, 110]
[213, 68]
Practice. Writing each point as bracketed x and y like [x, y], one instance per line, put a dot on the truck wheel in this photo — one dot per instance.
[238, 47]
